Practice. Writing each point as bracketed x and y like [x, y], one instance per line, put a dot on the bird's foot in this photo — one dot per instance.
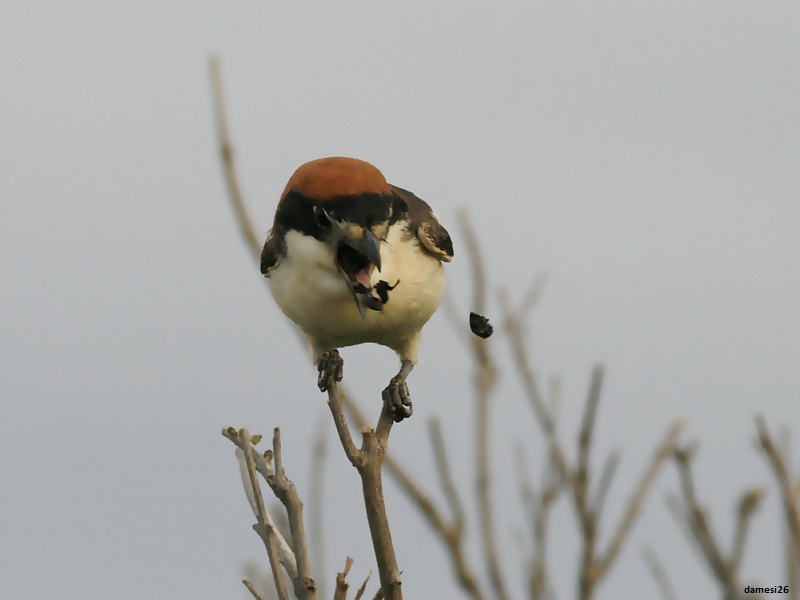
[330, 367]
[397, 400]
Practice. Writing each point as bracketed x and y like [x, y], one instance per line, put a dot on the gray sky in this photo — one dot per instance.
[643, 155]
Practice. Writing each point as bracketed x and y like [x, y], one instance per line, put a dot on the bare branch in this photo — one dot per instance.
[305, 587]
[749, 502]
[514, 328]
[450, 536]
[363, 587]
[341, 581]
[538, 511]
[226, 154]
[249, 585]
[697, 521]
[663, 452]
[485, 379]
[790, 502]
[354, 455]
[604, 484]
[659, 574]
[368, 461]
[585, 436]
[315, 496]
[443, 469]
[264, 527]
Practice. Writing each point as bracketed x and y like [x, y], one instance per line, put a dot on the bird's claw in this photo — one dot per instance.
[397, 400]
[330, 367]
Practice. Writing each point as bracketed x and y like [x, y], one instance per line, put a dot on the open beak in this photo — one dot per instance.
[368, 247]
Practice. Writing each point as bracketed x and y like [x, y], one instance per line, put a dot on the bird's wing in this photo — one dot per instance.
[271, 253]
[425, 224]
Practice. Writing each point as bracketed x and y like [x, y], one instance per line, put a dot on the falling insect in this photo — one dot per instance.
[480, 325]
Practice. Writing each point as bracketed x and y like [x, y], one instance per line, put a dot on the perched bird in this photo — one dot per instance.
[352, 259]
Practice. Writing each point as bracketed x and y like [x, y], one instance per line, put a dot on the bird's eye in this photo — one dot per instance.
[321, 216]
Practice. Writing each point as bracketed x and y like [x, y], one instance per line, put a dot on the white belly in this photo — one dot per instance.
[311, 292]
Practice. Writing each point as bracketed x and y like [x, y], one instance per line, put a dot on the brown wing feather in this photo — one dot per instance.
[424, 223]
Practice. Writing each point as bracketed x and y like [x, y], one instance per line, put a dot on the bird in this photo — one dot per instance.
[352, 259]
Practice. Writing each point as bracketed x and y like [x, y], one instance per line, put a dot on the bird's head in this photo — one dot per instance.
[346, 204]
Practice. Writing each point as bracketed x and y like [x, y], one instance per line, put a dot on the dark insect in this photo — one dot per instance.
[383, 288]
[480, 325]
[372, 303]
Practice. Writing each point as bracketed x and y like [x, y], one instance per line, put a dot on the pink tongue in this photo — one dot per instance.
[362, 277]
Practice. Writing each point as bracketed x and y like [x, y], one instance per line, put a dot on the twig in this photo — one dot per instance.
[485, 379]
[580, 481]
[792, 554]
[538, 513]
[697, 520]
[636, 501]
[315, 497]
[748, 504]
[453, 534]
[226, 155]
[514, 328]
[249, 585]
[341, 581]
[790, 502]
[368, 461]
[659, 574]
[593, 567]
[363, 587]
[604, 484]
[443, 469]
[585, 436]
[430, 512]
[264, 526]
[305, 587]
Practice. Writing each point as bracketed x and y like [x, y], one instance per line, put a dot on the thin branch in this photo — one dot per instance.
[791, 507]
[430, 512]
[697, 520]
[305, 587]
[659, 574]
[749, 502]
[664, 451]
[604, 483]
[315, 497]
[514, 328]
[792, 554]
[368, 461]
[354, 455]
[443, 469]
[226, 155]
[249, 585]
[485, 379]
[264, 526]
[363, 587]
[587, 427]
[341, 581]
[588, 576]
[453, 534]
[538, 512]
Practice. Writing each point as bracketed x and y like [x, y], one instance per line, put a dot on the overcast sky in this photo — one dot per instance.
[645, 156]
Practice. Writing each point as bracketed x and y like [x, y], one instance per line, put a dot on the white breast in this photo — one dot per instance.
[309, 289]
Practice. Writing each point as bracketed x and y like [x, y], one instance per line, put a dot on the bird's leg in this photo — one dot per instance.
[395, 396]
[329, 366]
